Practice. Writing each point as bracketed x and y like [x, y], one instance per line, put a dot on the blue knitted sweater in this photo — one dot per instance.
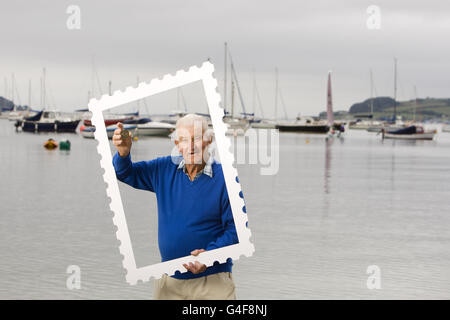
[191, 214]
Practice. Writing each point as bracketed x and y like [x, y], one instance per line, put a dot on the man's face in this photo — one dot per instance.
[191, 144]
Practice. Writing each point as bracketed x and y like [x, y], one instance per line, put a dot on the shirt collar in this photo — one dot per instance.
[207, 169]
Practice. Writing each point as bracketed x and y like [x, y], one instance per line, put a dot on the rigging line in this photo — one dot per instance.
[184, 101]
[233, 72]
[254, 92]
[282, 103]
[259, 102]
[17, 93]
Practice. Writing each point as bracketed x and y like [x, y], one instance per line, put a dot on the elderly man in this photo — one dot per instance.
[194, 212]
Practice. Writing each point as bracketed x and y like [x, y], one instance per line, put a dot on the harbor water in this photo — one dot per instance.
[332, 210]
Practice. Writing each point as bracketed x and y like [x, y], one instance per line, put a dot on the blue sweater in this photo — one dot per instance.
[191, 214]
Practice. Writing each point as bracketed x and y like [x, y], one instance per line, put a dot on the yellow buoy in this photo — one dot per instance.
[50, 144]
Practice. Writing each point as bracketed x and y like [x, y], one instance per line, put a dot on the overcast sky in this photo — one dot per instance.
[303, 39]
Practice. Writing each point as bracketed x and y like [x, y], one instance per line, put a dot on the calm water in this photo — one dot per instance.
[330, 212]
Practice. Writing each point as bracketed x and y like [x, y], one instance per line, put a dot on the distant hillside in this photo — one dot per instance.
[380, 104]
[383, 108]
[6, 104]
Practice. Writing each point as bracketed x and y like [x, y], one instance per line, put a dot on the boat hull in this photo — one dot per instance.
[263, 125]
[151, 132]
[303, 128]
[155, 128]
[415, 136]
[57, 126]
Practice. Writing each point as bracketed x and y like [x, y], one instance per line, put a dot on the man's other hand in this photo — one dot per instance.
[196, 267]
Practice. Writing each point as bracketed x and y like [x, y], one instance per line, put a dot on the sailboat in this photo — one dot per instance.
[237, 126]
[149, 127]
[370, 125]
[309, 125]
[397, 122]
[48, 120]
[412, 132]
[261, 123]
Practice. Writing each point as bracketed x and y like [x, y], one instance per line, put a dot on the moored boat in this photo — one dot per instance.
[409, 133]
[48, 121]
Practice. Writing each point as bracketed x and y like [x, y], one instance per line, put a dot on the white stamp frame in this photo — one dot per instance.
[155, 86]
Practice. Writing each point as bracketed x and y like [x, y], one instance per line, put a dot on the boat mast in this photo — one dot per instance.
[259, 100]
[415, 102]
[254, 92]
[282, 103]
[232, 98]
[184, 102]
[225, 80]
[233, 73]
[395, 90]
[43, 89]
[12, 91]
[29, 94]
[330, 115]
[138, 101]
[371, 93]
[6, 92]
[276, 92]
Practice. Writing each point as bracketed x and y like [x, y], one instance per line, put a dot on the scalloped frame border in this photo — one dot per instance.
[155, 86]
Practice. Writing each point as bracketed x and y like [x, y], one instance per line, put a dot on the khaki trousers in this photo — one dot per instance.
[217, 286]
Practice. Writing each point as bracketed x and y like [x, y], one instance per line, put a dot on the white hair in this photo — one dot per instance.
[190, 120]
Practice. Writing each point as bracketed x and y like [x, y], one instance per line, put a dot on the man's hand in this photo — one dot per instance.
[196, 267]
[123, 144]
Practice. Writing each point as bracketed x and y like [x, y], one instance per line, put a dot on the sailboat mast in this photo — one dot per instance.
[12, 91]
[254, 92]
[415, 103]
[234, 76]
[225, 79]
[276, 92]
[330, 115]
[6, 92]
[29, 94]
[138, 101]
[6, 88]
[178, 98]
[282, 103]
[43, 88]
[371, 93]
[395, 89]
[232, 98]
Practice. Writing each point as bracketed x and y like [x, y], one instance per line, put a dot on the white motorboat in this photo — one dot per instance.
[236, 126]
[155, 128]
[446, 128]
[88, 132]
[264, 124]
[130, 127]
